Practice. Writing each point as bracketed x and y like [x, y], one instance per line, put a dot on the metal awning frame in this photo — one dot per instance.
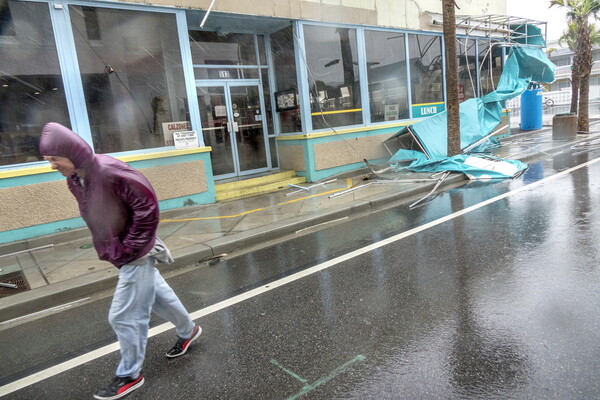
[501, 26]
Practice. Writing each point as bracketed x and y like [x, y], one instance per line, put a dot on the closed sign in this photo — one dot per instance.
[185, 139]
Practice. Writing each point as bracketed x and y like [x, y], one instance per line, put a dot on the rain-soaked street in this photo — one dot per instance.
[489, 290]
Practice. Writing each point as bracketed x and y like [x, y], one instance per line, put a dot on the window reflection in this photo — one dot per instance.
[132, 76]
[386, 71]
[213, 113]
[221, 48]
[426, 69]
[490, 65]
[268, 111]
[7, 26]
[333, 76]
[31, 87]
[467, 68]
[284, 66]
[261, 49]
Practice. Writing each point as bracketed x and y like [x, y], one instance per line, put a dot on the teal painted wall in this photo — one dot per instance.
[312, 174]
[76, 223]
[207, 197]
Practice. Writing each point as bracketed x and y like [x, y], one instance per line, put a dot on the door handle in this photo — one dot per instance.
[232, 127]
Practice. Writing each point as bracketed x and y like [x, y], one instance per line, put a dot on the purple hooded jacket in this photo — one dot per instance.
[117, 202]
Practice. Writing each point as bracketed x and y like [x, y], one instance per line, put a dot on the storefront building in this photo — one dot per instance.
[312, 86]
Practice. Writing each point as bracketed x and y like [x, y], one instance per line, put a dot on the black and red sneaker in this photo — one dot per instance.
[182, 344]
[119, 387]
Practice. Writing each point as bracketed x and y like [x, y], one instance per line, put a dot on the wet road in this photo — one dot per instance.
[454, 299]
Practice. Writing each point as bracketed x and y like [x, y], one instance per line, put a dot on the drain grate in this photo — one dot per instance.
[16, 278]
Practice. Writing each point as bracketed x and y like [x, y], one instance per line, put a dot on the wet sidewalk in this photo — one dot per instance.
[63, 268]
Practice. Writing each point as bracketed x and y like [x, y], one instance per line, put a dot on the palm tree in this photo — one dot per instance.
[569, 38]
[452, 107]
[579, 13]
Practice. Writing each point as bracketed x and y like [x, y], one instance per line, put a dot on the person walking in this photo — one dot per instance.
[120, 208]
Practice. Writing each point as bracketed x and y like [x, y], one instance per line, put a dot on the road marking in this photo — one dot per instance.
[85, 358]
[307, 388]
[289, 372]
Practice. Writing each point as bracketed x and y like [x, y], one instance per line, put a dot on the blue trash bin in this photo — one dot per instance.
[531, 109]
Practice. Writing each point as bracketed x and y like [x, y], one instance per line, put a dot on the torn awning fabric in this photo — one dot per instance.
[478, 118]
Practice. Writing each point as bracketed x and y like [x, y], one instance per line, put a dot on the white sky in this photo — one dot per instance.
[538, 10]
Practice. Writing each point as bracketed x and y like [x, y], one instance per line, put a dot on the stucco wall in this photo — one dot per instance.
[388, 13]
[177, 180]
[41, 203]
[291, 157]
[35, 204]
[348, 151]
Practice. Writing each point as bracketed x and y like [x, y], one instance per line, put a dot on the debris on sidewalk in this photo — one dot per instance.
[442, 179]
[423, 145]
[12, 283]
[8, 285]
[16, 253]
[307, 188]
[378, 177]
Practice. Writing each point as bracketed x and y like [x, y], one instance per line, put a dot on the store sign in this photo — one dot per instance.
[392, 111]
[170, 127]
[185, 139]
[426, 110]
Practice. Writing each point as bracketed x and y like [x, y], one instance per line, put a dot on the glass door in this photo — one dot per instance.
[233, 125]
[248, 128]
[215, 119]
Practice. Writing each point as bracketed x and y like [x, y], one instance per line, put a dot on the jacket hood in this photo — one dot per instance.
[58, 140]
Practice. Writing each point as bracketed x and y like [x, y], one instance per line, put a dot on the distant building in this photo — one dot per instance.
[563, 58]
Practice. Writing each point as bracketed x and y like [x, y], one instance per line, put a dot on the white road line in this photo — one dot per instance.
[80, 360]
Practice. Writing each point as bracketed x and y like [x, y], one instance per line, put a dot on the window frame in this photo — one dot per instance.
[304, 84]
[71, 74]
[304, 81]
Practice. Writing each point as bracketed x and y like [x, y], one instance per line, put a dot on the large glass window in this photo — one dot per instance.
[564, 85]
[490, 65]
[565, 60]
[132, 75]
[467, 68]
[31, 87]
[386, 72]
[268, 115]
[221, 49]
[286, 84]
[426, 69]
[333, 74]
[7, 26]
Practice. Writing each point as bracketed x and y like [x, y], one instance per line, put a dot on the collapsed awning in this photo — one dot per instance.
[479, 117]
